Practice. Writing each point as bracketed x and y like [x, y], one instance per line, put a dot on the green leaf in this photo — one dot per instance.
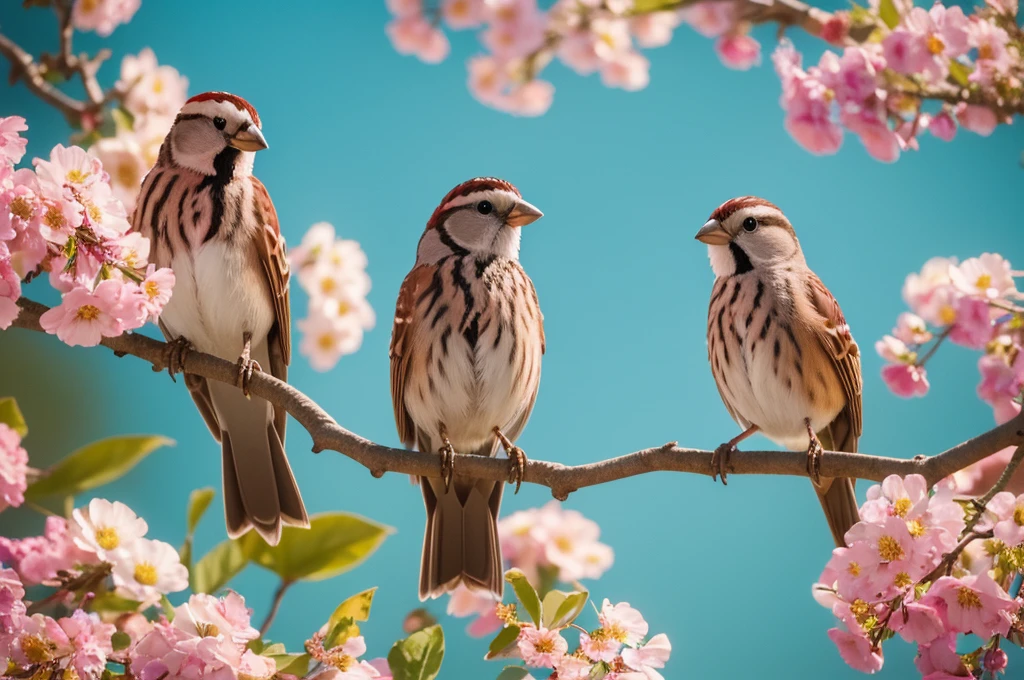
[274, 649]
[198, 501]
[646, 6]
[109, 602]
[123, 119]
[960, 72]
[10, 415]
[525, 592]
[419, 656]
[334, 543]
[120, 640]
[503, 644]
[214, 569]
[513, 673]
[292, 664]
[95, 464]
[168, 608]
[560, 609]
[888, 13]
[342, 622]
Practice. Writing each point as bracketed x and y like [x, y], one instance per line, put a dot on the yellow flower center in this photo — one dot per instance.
[915, 528]
[145, 573]
[935, 44]
[616, 632]
[1018, 515]
[152, 289]
[853, 569]
[326, 342]
[207, 630]
[986, 52]
[506, 612]
[889, 549]
[607, 39]
[21, 208]
[859, 608]
[984, 282]
[158, 85]
[90, 313]
[902, 580]
[344, 308]
[328, 285]
[563, 544]
[127, 175]
[36, 649]
[545, 646]
[947, 314]
[340, 660]
[76, 176]
[106, 537]
[95, 214]
[901, 507]
[54, 218]
[967, 598]
[131, 259]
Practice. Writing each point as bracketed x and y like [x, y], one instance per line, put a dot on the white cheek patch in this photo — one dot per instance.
[722, 261]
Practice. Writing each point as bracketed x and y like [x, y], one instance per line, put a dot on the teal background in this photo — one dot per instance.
[371, 141]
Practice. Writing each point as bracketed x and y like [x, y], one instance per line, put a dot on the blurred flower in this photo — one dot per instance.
[464, 602]
[646, 659]
[12, 610]
[12, 145]
[102, 16]
[151, 90]
[38, 558]
[739, 51]
[13, 467]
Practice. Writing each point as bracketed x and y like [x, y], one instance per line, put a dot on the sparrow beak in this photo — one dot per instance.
[522, 214]
[249, 139]
[713, 234]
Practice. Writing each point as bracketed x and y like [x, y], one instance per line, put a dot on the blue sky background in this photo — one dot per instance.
[370, 141]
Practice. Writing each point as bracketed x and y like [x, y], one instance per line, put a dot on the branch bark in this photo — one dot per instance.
[327, 434]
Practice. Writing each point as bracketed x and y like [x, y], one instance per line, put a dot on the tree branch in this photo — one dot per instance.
[561, 479]
[25, 67]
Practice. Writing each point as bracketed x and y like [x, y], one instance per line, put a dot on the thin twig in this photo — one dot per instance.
[935, 346]
[1004, 478]
[949, 559]
[282, 588]
[561, 479]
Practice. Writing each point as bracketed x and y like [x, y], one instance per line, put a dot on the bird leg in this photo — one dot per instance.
[174, 355]
[814, 453]
[246, 364]
[720, 458]
[516, 456]
[447, 452]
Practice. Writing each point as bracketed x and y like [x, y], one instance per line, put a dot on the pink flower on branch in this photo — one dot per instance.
[541, 647]
[38, 559]
[973, 604]
[13, 468]
[12, 144]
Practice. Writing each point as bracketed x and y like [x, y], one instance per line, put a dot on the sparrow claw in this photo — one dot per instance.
[814, 454]
[447, 452]
[175, 355]
[246, 366]
[517, 466]
[720, 462]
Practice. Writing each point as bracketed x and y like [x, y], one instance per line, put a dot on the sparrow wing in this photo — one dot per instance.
[270, 248]
[402, 331]
[834, 335]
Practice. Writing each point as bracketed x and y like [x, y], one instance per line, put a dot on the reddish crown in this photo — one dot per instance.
[470, 187]
[731, 206]
[237, 101]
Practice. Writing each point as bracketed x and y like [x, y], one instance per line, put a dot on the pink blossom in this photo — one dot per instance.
[993, 59]
[622, 622]
[541, 647]
[80, 642]
[922, 291]
[464, 602]
[870, 125]
[122, 157]
[739, 51]
[943, 126]
[911, 329]
[988, 275]
[573, 668]
[856, 650]
[155, 290]
[102, 16]
[13, 467]
[487, 80]
[516, 29]
[854, 77]
[39, 558]
[12, 609]
[256, 667]
[973, 604]
[896, 496]
[654, 654]
[150, 569]
[895, 351]
[807, 104]
[108, 529]
[12, 145]
[977, 119]
[906, 51]
[577, 51]
[939, 660]
[906, 380]
[530, 99]
[415, 35]
[978, 478]
[654, 29]
[85, 317]
[973, 327]
[600, 647]
[995, 661]
[154, 92]
[1010, 512]
[460, 14]
[351, 669]
[1001, 383]
[917, 623]
[627, 70]
[836, 28]
[710, 19]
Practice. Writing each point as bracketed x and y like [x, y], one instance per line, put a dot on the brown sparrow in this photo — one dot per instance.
[465, 367]
[781, 352]
[213, 223]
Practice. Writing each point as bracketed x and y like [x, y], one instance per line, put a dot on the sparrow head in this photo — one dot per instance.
[748, 233]
[215, 133]
[478, 217]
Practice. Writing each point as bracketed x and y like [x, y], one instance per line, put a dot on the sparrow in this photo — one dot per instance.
[213, 223]
[466, 351]
[780, 349]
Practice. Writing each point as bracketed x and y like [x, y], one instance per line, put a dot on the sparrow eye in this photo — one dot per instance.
[219, 123]
[484, 207]
[750, 224]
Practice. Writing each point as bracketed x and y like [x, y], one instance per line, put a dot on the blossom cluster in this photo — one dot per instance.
[332, 271]
[911, 54]
[64, 219]
[918, 566]
[972, 303]
[549, 545]
[588, 36]
[102, 16]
